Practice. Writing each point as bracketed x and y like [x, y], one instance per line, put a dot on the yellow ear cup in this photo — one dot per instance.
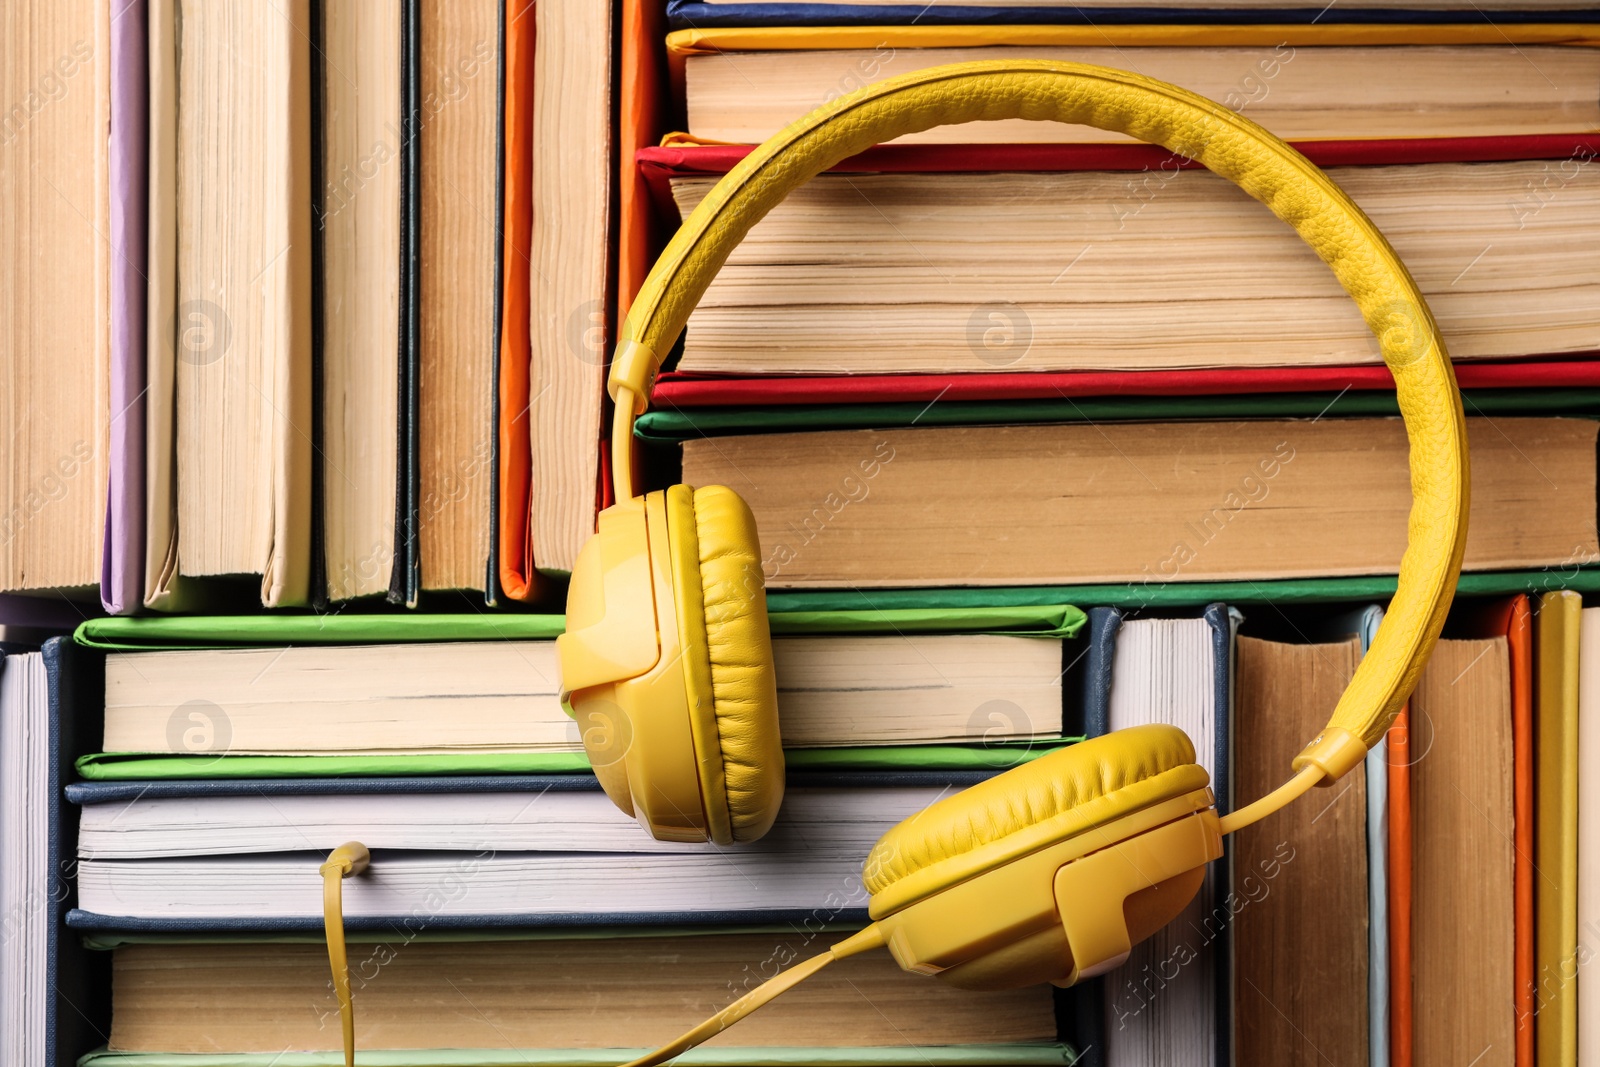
[1050, 871]
[622, 671]
[667, 666]
[730, 684]
[1053, 797]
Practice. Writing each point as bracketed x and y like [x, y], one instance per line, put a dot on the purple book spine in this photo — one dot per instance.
[122, 562]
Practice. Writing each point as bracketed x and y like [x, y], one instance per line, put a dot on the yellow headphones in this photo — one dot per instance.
[1049, 872]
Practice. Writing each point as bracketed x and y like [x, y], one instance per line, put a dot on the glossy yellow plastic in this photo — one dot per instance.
[626, 692]
[1093, 893]
[1335, 751]
[1056, 797]
[1009, 927]
[612, 632]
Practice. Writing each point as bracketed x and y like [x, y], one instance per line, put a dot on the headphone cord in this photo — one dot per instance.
[348, 859]
[352, 858]
[861, 941]
[1279, 798]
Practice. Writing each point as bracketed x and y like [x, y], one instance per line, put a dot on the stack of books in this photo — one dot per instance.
[509, 900]
[1059, 358]
[287, 265]
[1046, 433]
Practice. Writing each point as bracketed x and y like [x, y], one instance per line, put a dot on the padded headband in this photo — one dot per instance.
[1229, 145]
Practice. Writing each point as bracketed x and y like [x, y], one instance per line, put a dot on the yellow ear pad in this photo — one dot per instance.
[1027, 808]
[727, 659]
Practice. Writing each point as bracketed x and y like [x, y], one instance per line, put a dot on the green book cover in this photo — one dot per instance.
[1036, 618]
[666, 427]
[1135, 595]
[155, 633]
[143, 766]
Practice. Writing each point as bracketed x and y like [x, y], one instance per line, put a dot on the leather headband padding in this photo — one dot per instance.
[1229, 145]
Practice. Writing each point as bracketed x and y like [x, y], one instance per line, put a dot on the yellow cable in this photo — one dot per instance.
[622, 445]
[348, 859]
[1281, 797]
[861, 941]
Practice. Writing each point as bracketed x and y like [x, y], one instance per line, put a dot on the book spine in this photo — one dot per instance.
[78, 1015]
[709, 14]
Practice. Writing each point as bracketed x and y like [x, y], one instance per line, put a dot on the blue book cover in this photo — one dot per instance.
[706, 14]
[78, 1015]
[1085, 1008]
[1377, 877]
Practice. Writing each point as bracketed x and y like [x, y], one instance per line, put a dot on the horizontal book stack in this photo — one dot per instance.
[502, 876]
[1046, 434]
[491, 867]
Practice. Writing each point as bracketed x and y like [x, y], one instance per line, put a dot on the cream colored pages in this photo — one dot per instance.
[595, 993]
[500, 696]
[242, 328]
[1164, 269]
[1299, 93]
[55, 342]
[231, 233]
[572, 169]
[361, 293]
[1463, 905]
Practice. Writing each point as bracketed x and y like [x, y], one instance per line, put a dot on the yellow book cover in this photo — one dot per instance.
[1556, 828]
[1328, 81]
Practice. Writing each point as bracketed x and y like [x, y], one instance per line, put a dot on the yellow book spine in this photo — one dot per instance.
[1556, 829]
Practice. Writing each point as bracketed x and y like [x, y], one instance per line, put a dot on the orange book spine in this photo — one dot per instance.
[1519, 638]
[518, 578]
[1400, 1022]
[641, 86]
[643, 89]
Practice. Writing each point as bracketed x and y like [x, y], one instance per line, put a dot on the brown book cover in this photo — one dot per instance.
[1463, 857]
[269, 998]
[1148, 503]
[1300, 877]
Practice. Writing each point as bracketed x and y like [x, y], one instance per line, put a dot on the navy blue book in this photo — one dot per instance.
[1178, 670]
[54, 995]
[705, 14]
